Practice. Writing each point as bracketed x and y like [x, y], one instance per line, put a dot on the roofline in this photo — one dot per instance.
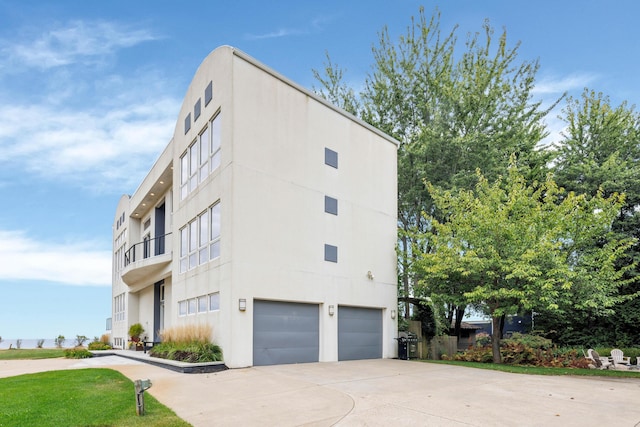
[271, 71]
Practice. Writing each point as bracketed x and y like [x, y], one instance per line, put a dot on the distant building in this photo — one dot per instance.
[271, 216]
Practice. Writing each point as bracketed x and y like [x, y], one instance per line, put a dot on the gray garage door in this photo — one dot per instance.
[285, 332]
[359, 333]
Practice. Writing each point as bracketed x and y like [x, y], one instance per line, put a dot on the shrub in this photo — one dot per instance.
[104, 338]
[195, 352]
[475, 354]
[531, 350]
[483, 339]
[533, 341]
[97, 345]
[40, 343]
[77, 353]
[135, 330]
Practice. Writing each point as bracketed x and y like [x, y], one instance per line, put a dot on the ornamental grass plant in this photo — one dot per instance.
[187, 343]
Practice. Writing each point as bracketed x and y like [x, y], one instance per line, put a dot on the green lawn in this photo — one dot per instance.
[31, 353]
[535, 370]
[83, 397]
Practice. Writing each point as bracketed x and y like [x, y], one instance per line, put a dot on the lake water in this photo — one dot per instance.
[69, 342]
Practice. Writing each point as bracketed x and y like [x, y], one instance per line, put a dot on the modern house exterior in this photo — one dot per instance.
[271, 216]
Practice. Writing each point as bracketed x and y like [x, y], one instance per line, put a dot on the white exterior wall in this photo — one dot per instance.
[271, 185]
[279, 223]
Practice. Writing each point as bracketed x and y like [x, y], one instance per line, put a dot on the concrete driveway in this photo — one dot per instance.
[374, 393]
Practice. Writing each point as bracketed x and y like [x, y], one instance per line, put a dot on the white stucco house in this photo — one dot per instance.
[271, 216]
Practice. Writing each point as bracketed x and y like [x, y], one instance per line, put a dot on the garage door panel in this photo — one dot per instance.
[285, 333]
[359, 333]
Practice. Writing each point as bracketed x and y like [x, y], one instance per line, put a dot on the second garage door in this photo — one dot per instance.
[359, 333]
[285, 332]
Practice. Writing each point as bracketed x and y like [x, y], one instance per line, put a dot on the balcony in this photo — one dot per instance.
[147, 262]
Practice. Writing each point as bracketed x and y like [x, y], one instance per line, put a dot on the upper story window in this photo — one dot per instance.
[197, 108]
[201, 158]
[330, 253]
[330, 158]
[187, 123]
[200, 239]
[330, 205]
[208, 93]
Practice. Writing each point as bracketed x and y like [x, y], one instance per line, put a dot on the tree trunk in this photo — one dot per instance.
[495, 340]
[457, 330]
[502, 321]
[405, 276]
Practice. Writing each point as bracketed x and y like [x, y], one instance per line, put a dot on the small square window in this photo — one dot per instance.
[208, 94]
[202, 304]
[187, 123]
[192, 306]
[330, 158]
[196, 110]
[330, 205]
[182, 308]
[214, 301]
[330, 253]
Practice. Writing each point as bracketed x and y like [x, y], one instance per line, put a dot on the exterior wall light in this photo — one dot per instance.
[393, 314]
[370, 275]
[242, 304]
[331, 310]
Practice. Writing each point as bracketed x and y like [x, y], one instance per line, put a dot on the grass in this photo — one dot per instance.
[31, 353]
[89, 397]
[537, 370]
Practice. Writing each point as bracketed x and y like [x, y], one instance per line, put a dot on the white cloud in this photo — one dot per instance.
[85, 127]
[559, 85]
[78, 41]
[73, 263]
[282, 32]
[94, 149]
[316, 25]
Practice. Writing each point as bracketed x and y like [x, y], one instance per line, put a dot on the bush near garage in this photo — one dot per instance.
[529, 350]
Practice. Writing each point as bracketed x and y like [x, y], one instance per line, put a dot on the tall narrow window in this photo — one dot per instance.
[187, 123]
[203, 238]
[184, 249]
[215, 142]
[196, 110]
[193, 244]
[184, 175]
[204, 154]
[193, 166]
[208, 94]
[214, 246]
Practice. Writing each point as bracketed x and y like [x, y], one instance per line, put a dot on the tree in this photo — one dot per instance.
[524, 247]
[600, 151]
[452, 113]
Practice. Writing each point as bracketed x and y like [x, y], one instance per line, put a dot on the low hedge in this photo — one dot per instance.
[77, 353]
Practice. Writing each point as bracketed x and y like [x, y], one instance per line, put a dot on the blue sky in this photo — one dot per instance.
[90, 92]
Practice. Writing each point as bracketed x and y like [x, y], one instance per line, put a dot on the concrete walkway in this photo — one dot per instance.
[374, 393]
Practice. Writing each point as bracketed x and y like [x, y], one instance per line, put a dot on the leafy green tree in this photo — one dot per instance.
[452, 111]
[600, 151]
[524, 247]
